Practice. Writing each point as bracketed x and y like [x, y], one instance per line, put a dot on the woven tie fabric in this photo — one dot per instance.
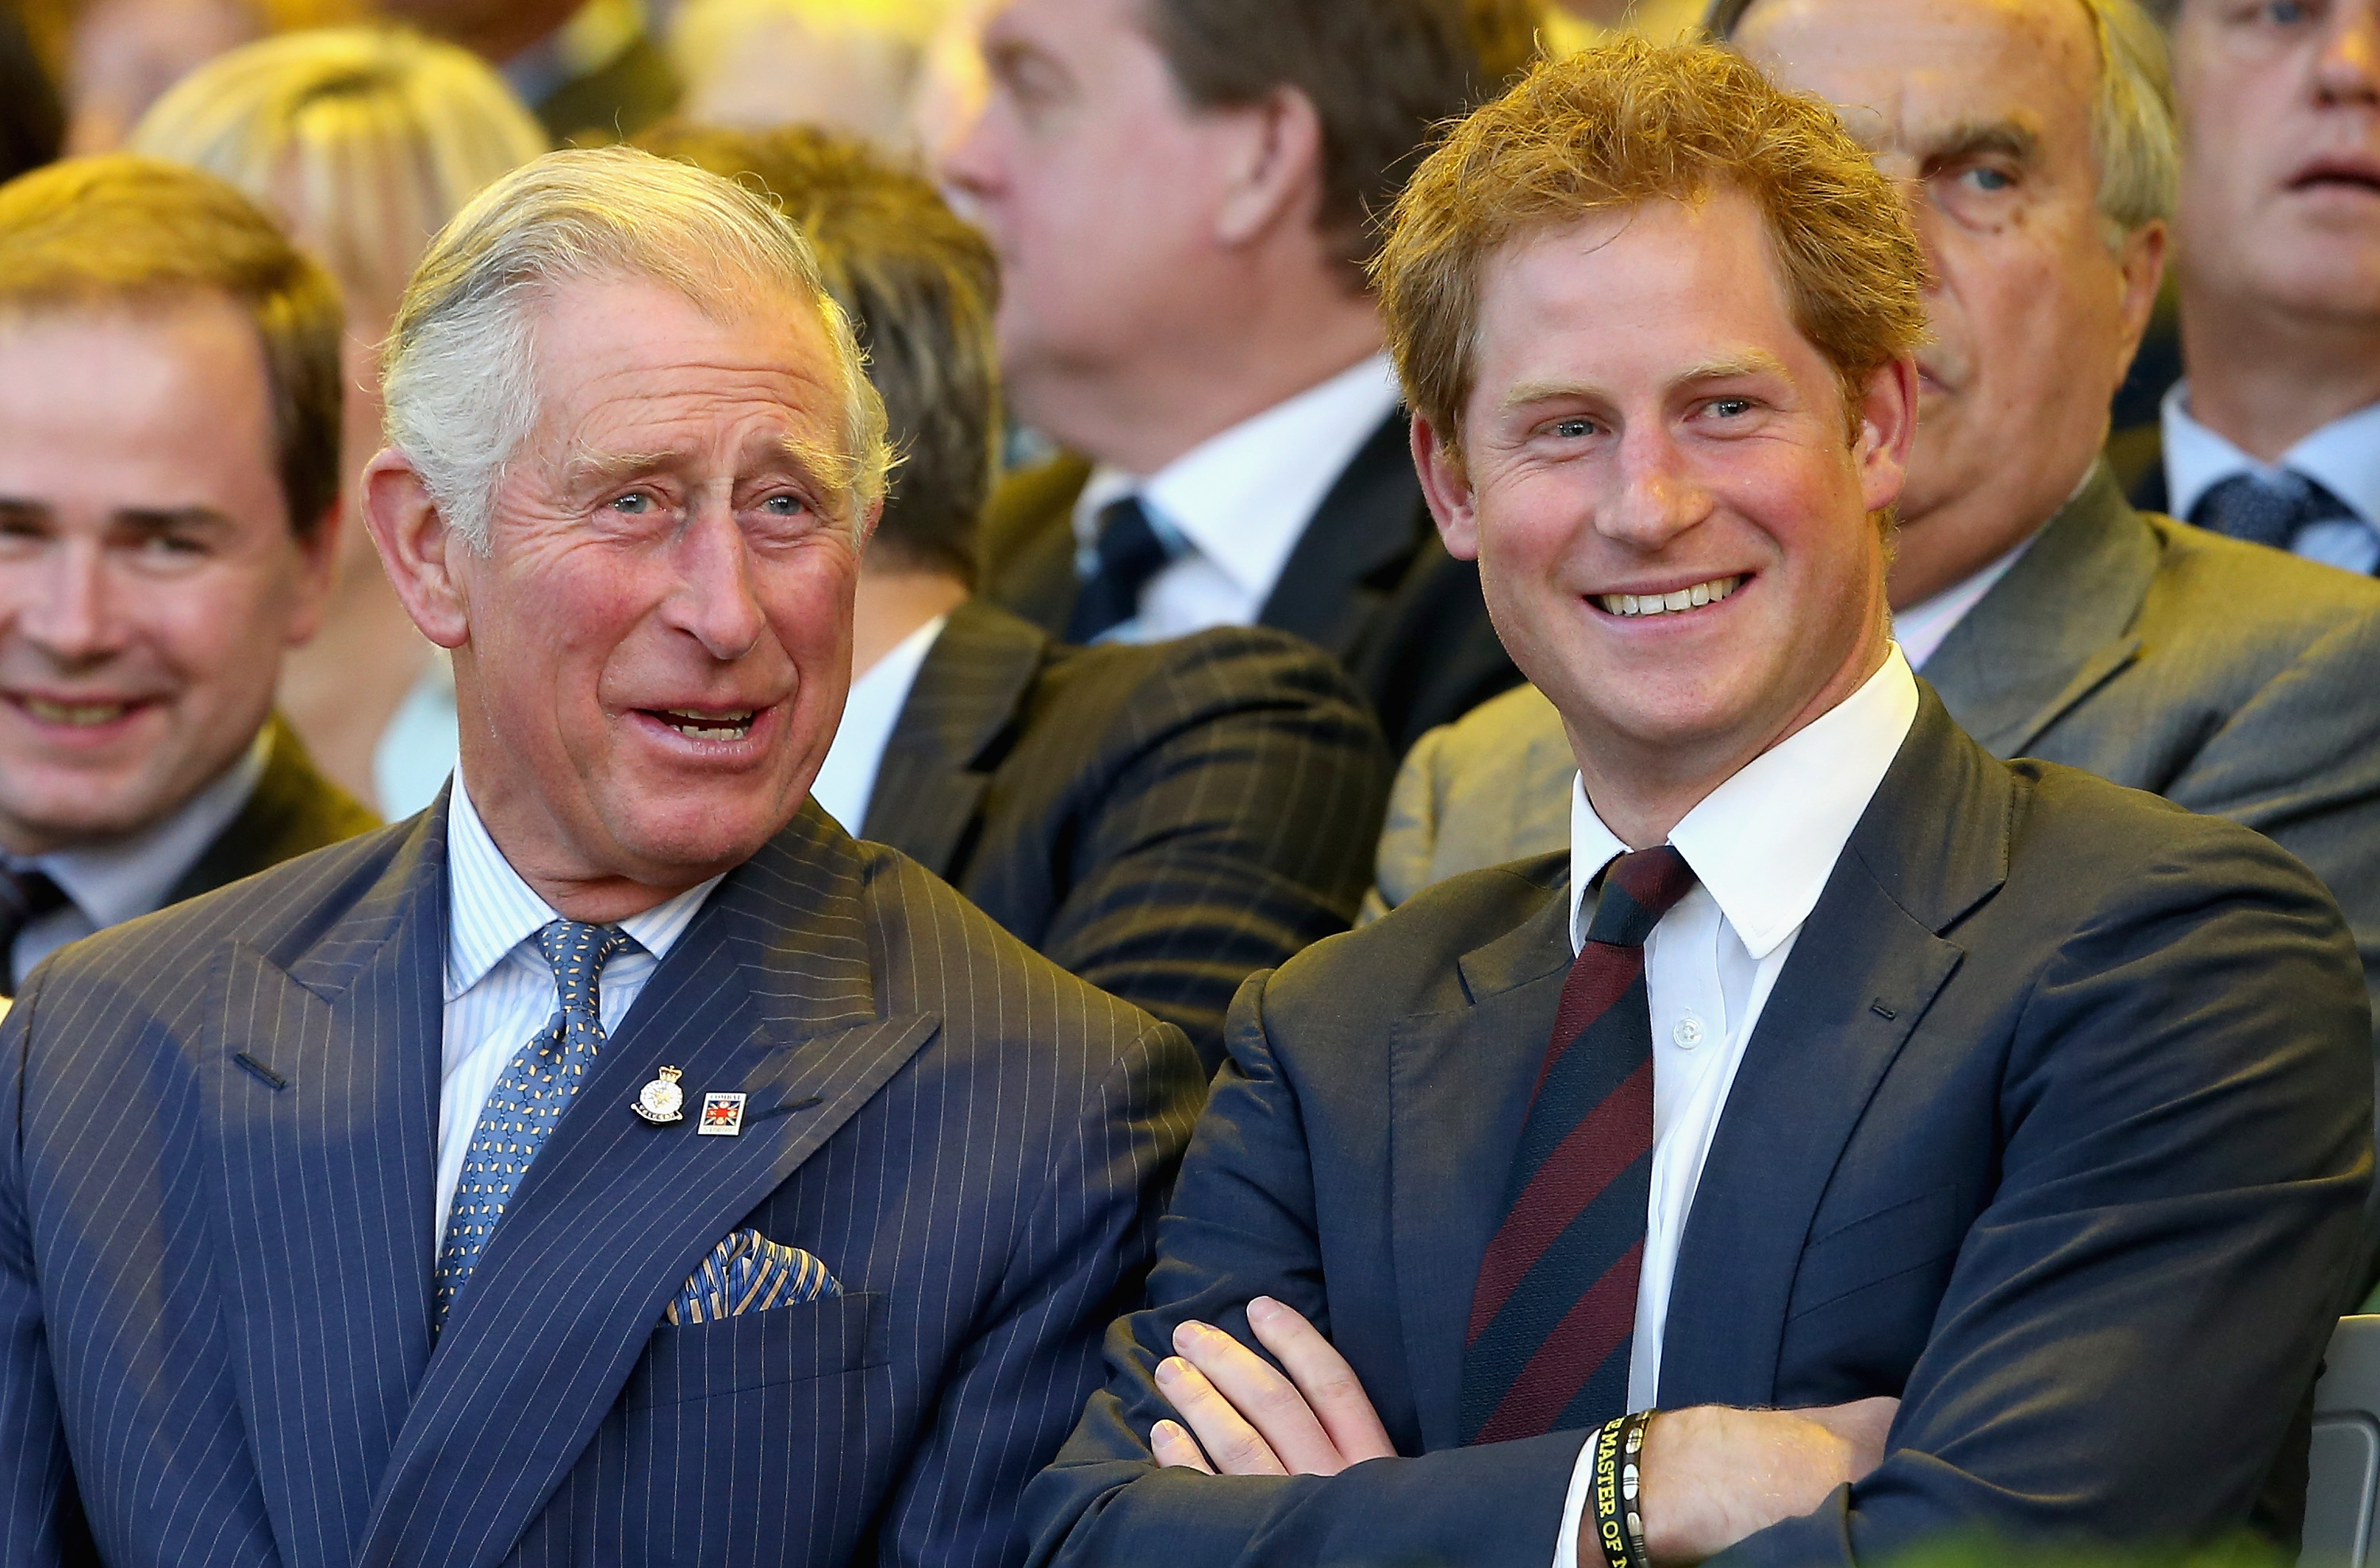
[748, 1272]
[1553, 1316]
[25, 897]
[529, 1099]
[1129, 553]
[2267, 510]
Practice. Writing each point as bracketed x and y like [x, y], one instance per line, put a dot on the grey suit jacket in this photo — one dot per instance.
[2230, 679]
[215, 1235]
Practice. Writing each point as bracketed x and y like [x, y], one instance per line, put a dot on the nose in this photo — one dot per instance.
[68, 610]
[1654, 499]
[968, 164]
[2348, 70]
[715, 601]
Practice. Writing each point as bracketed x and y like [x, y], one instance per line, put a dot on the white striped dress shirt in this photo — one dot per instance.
[499, 989]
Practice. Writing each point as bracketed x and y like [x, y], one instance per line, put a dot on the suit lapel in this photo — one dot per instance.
[1868, 963]
[322, 1154]
[769, 993]
[1350, 556]
[1447, 1200]
[2053, 630]
[968, 693]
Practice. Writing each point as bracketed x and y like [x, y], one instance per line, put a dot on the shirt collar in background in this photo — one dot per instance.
[846, 780]
[490, 911]
[1764, 843]
[113, 883]
[2343, 458]
[1241, 499]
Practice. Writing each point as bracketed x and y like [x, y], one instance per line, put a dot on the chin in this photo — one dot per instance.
[701, 838]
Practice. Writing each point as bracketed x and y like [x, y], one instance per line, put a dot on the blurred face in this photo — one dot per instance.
[498, 29]
[149, 578]
[2280, 193]
[1983, 108]
[655, 648]
[1650, 429]
[1097, 185]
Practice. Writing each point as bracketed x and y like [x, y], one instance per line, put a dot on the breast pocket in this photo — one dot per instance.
[1864, 1298]
[759, 1350]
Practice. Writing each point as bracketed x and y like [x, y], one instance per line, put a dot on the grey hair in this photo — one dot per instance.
[459, 370]
[2135, 140]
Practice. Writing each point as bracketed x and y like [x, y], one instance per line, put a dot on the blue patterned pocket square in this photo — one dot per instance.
[748, 1272]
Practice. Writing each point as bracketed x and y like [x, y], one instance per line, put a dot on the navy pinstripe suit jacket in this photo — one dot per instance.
[215, 1215]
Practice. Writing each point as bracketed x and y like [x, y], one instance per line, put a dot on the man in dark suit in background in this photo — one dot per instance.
[169, 436]
[1180, 193]
[616, 1162]
[1942, 1144]
[2275, 434]
[2054, 620]
[1162, 820]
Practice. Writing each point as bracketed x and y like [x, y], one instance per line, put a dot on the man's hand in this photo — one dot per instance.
[1712, 1476]
[1249, 1420]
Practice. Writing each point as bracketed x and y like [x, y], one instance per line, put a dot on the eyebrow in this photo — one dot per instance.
[2008, 137]
[1752, 362]
[820, 464]
[148, 520]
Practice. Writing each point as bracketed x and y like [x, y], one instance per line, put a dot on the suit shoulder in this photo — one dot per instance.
[2216, 586]
[2073, 828]
[1029, 501]
[1407, 961]
[1226, 665]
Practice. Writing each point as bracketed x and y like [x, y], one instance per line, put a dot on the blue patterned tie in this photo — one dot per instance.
[529, 1099]
[2267, 510]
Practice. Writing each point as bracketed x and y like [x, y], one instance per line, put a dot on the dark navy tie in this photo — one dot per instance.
[2267, 510]
[1129, 553]
[529, 1099]
[1553, 1316]
[25, 897]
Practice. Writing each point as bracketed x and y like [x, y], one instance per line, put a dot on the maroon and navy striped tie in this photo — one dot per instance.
[1554, 1314]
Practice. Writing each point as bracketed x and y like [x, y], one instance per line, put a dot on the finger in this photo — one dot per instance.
[1173, 1446]
[1265, 1399]
[1331, 1389]
[1235, 1447]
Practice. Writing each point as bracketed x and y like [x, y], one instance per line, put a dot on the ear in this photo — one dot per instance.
[1887, 430]
[416, 547]
[1446, 485]
[318, 572]
[1276, 166]
[2142, 258]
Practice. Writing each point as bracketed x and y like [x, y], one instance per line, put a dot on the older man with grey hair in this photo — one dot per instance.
[2037, 140]
[617, 1162]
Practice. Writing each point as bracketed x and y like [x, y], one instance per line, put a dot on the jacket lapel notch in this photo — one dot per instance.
[964, 705]
[324, 1198]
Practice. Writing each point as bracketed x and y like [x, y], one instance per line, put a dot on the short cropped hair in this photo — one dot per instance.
[2136, 139]
[1382, 75]
[921, 285]
[120, 231]
[458, 374]
[1628, 122]
[368, 138]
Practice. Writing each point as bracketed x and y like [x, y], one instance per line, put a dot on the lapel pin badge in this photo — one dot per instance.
[662, 1101]
[723, 1115]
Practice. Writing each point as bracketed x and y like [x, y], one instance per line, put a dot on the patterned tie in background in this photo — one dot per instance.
[2267, 511]
[1129, 555]
[1553, 1317]
[529, 1099]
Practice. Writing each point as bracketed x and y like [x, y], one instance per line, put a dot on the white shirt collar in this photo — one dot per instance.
[114, 882]
[1241, 499]
[846, 780]
[490, 910]
[1765, 842]
[2343, 458]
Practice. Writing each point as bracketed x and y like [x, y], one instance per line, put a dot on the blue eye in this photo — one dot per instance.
[1990, 179]
[783, 506]
[635, 503]
[2285, 12]
[1575, 430]
[1729, 407]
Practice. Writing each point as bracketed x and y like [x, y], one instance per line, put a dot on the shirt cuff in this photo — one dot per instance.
[1582, 1484]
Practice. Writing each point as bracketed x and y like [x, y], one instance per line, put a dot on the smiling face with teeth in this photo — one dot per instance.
[1674, 531]
[650, 658]
[149, 576]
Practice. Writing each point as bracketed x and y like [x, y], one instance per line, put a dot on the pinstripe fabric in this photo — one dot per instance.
[215, 1292]
[1163, 820]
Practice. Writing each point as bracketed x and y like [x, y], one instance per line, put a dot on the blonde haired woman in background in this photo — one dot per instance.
[364, 140]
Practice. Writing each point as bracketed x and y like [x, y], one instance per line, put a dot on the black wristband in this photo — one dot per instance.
[1618, 1524]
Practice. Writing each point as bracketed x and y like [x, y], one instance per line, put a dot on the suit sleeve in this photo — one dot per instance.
[2134, 1318]
[1244, 1224]
[1021, 1380]
[1239, 831]
[41, 1520]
